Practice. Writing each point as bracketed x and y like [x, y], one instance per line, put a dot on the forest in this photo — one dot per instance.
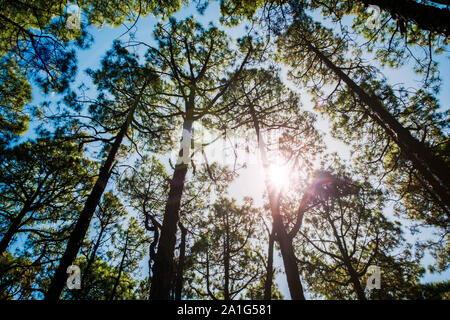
[224, 150]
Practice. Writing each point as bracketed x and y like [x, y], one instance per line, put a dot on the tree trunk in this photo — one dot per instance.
[269, 271]
[152, 253]
[180, 269]
[160, 286]
[90, 262]
[117, 281]
[13, 228]
[15, 225]
[346, 259]
[79, 232]
[289, 259]
[426, 17]
[434, 170]
[287, 250]
[356, 283]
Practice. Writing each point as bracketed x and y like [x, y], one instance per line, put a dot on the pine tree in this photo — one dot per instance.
[119, 68]
[195, 62]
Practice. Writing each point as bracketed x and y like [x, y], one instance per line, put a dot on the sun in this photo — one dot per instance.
[279, 176]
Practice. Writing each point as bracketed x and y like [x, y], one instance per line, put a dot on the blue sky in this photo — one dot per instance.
[250, 182]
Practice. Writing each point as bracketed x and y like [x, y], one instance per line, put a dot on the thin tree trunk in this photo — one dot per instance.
[15, 225]
[434, 170]
[289, 259]
[269, 271]
[90, 262]
[79, 232]
[13, 228]
[346, 259]
[286, 248]
[180, 269]
[117, 281]
[426, 17]
[226, 259]
[163, 267]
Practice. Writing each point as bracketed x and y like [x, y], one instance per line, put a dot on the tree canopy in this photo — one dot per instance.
[251, 149]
